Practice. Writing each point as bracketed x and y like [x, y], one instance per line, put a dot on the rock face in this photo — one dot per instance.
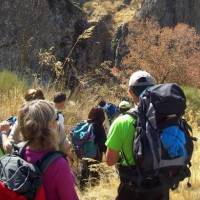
[93, 47]
[171, 12]
[27, 26]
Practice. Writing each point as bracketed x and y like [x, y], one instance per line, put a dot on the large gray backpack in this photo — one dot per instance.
[160, 108]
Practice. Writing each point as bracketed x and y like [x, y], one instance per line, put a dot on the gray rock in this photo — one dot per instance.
[94, 46]
[171, 12]
[26, 26]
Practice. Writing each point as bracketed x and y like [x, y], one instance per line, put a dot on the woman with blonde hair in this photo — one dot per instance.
[38, 126]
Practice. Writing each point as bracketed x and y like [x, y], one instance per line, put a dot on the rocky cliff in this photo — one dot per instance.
[29, 26]
[171, 12]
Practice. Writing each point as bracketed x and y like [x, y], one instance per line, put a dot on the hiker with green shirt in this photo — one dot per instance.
[120, 145]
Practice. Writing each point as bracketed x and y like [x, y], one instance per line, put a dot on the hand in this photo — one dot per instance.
[4, 126]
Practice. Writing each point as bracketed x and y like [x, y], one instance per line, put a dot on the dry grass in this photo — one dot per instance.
[77, 110]
[120, 14]
[107, 189]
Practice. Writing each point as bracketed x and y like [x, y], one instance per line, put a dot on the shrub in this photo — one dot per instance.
[170, 54]
[193, 103]
[10, 81]
[12, 89]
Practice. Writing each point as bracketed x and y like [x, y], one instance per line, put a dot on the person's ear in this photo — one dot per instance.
[133, 96]
[130, 93]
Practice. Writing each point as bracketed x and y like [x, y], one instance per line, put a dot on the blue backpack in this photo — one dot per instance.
[12, 120]
[111, 110]
[83, 140]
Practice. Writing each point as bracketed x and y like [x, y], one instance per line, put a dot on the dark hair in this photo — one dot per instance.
[96, 115]
[34, 94]
[137, 90]
[123, 110]
[59, 97]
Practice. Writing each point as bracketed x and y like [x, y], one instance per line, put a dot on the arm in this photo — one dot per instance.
[106, 123]
[4, 129]
[4, 126]
[64, 143]
[114, 142]
[13, 137]
[112, 157]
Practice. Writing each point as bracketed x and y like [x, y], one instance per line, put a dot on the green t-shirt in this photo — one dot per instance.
[120, 137]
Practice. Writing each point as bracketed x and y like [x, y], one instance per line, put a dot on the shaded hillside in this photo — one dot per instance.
[171, 12]
[27, 26]
[36, 33]
[37, 36]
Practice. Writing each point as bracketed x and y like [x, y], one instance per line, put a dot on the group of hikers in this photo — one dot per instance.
[150, 143]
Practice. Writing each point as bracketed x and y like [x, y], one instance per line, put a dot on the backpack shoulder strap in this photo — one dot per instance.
[18, 148]
[133, 112]
[48, 159]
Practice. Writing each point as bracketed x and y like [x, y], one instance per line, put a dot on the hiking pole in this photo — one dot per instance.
[189, 185]
[194, 138]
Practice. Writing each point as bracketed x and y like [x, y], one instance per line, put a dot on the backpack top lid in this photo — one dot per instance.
[168, 99]
[110, 109]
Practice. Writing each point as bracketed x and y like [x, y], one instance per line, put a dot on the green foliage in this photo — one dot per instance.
[193, 101]
[193, 97]
[1, 153]
[10, 81]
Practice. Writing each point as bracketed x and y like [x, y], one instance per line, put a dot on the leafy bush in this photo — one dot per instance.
[170, 54]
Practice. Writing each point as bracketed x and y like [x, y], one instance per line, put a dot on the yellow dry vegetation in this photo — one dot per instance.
[124, 16]
[76, 110]
[107, 190]
[120, 14]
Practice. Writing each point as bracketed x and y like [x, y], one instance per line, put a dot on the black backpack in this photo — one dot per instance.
[162, 107]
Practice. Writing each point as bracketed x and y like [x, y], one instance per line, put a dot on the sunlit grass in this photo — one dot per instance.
[78, 108]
